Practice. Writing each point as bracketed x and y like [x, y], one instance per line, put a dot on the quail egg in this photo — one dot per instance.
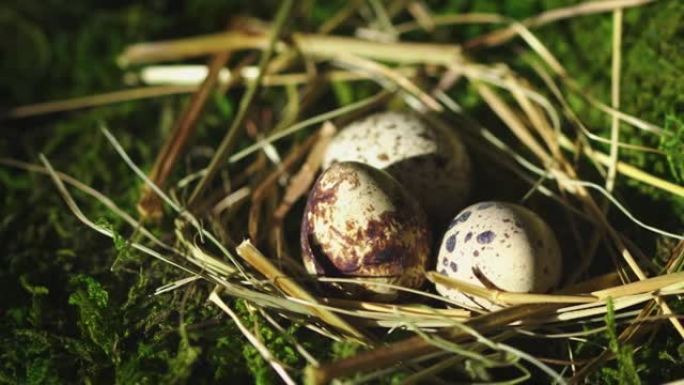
[430, 162]
[500, 246]
[360, 222]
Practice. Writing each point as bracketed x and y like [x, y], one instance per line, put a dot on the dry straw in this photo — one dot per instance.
[439, 336]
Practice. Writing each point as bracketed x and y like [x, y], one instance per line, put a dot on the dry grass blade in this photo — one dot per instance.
[584, 311]
[176, 284]
[233, 132]
[389, 74]
[592, 284]
[509, 117]
[100, 197]
[615, 99]
[192, 75]
[574, 118]
[417, 346]
[260, 347]
[266, 186]
[160, 87]
[632, 120]
[537, 119]
[507, 298]
[254, 257]
[586, 8]
[626, 169]
[95, 101]
[417, 310]
[567, 179]
[149, 205]
[645, 286]
[300, 183]
[460, 18]
[313, 45]
[183, 214]
[199, 257]
[230, 200]
[328, 47]
[422, 14]
[76, 210]
[574, 185]
[553, 63]
[190, 47]
[335, 21]
[360, 105]
[166, 86]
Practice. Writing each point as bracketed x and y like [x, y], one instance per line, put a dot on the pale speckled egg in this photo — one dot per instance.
[430, 162]
[501, 246]
[360, 222]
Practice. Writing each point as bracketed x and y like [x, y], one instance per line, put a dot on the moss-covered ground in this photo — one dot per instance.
[75, 308]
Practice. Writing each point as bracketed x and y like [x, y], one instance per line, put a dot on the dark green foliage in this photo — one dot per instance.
[344, 349]
[626, 372]
[95, 314]
[182, 363]
[274, 340]
[672, 143]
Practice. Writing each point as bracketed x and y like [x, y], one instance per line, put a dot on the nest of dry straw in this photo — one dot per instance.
[277, 170]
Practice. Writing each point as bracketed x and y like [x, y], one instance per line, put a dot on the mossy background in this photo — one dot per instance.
[75, 308]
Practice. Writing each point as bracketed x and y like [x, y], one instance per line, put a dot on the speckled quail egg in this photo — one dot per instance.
[501, 246]
[430, 162]
[360, 222]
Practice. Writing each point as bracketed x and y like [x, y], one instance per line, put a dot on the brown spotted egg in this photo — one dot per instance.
[431, 163]
[360, 222]
[500, 246]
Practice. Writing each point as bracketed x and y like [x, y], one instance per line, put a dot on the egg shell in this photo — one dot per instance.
[501, 246]
[360, 222]
[430, 162]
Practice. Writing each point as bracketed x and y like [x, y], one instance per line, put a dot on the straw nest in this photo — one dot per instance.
[276, 171]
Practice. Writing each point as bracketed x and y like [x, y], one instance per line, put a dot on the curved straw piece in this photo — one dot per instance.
[507, 298]
[254, 257]
[665, 283]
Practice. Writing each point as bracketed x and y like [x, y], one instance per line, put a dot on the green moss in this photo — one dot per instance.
[92, 301]
[278, 343]
[344, 349]
[180, 366]
[626, 372]
[672, 143]
[68, 317]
